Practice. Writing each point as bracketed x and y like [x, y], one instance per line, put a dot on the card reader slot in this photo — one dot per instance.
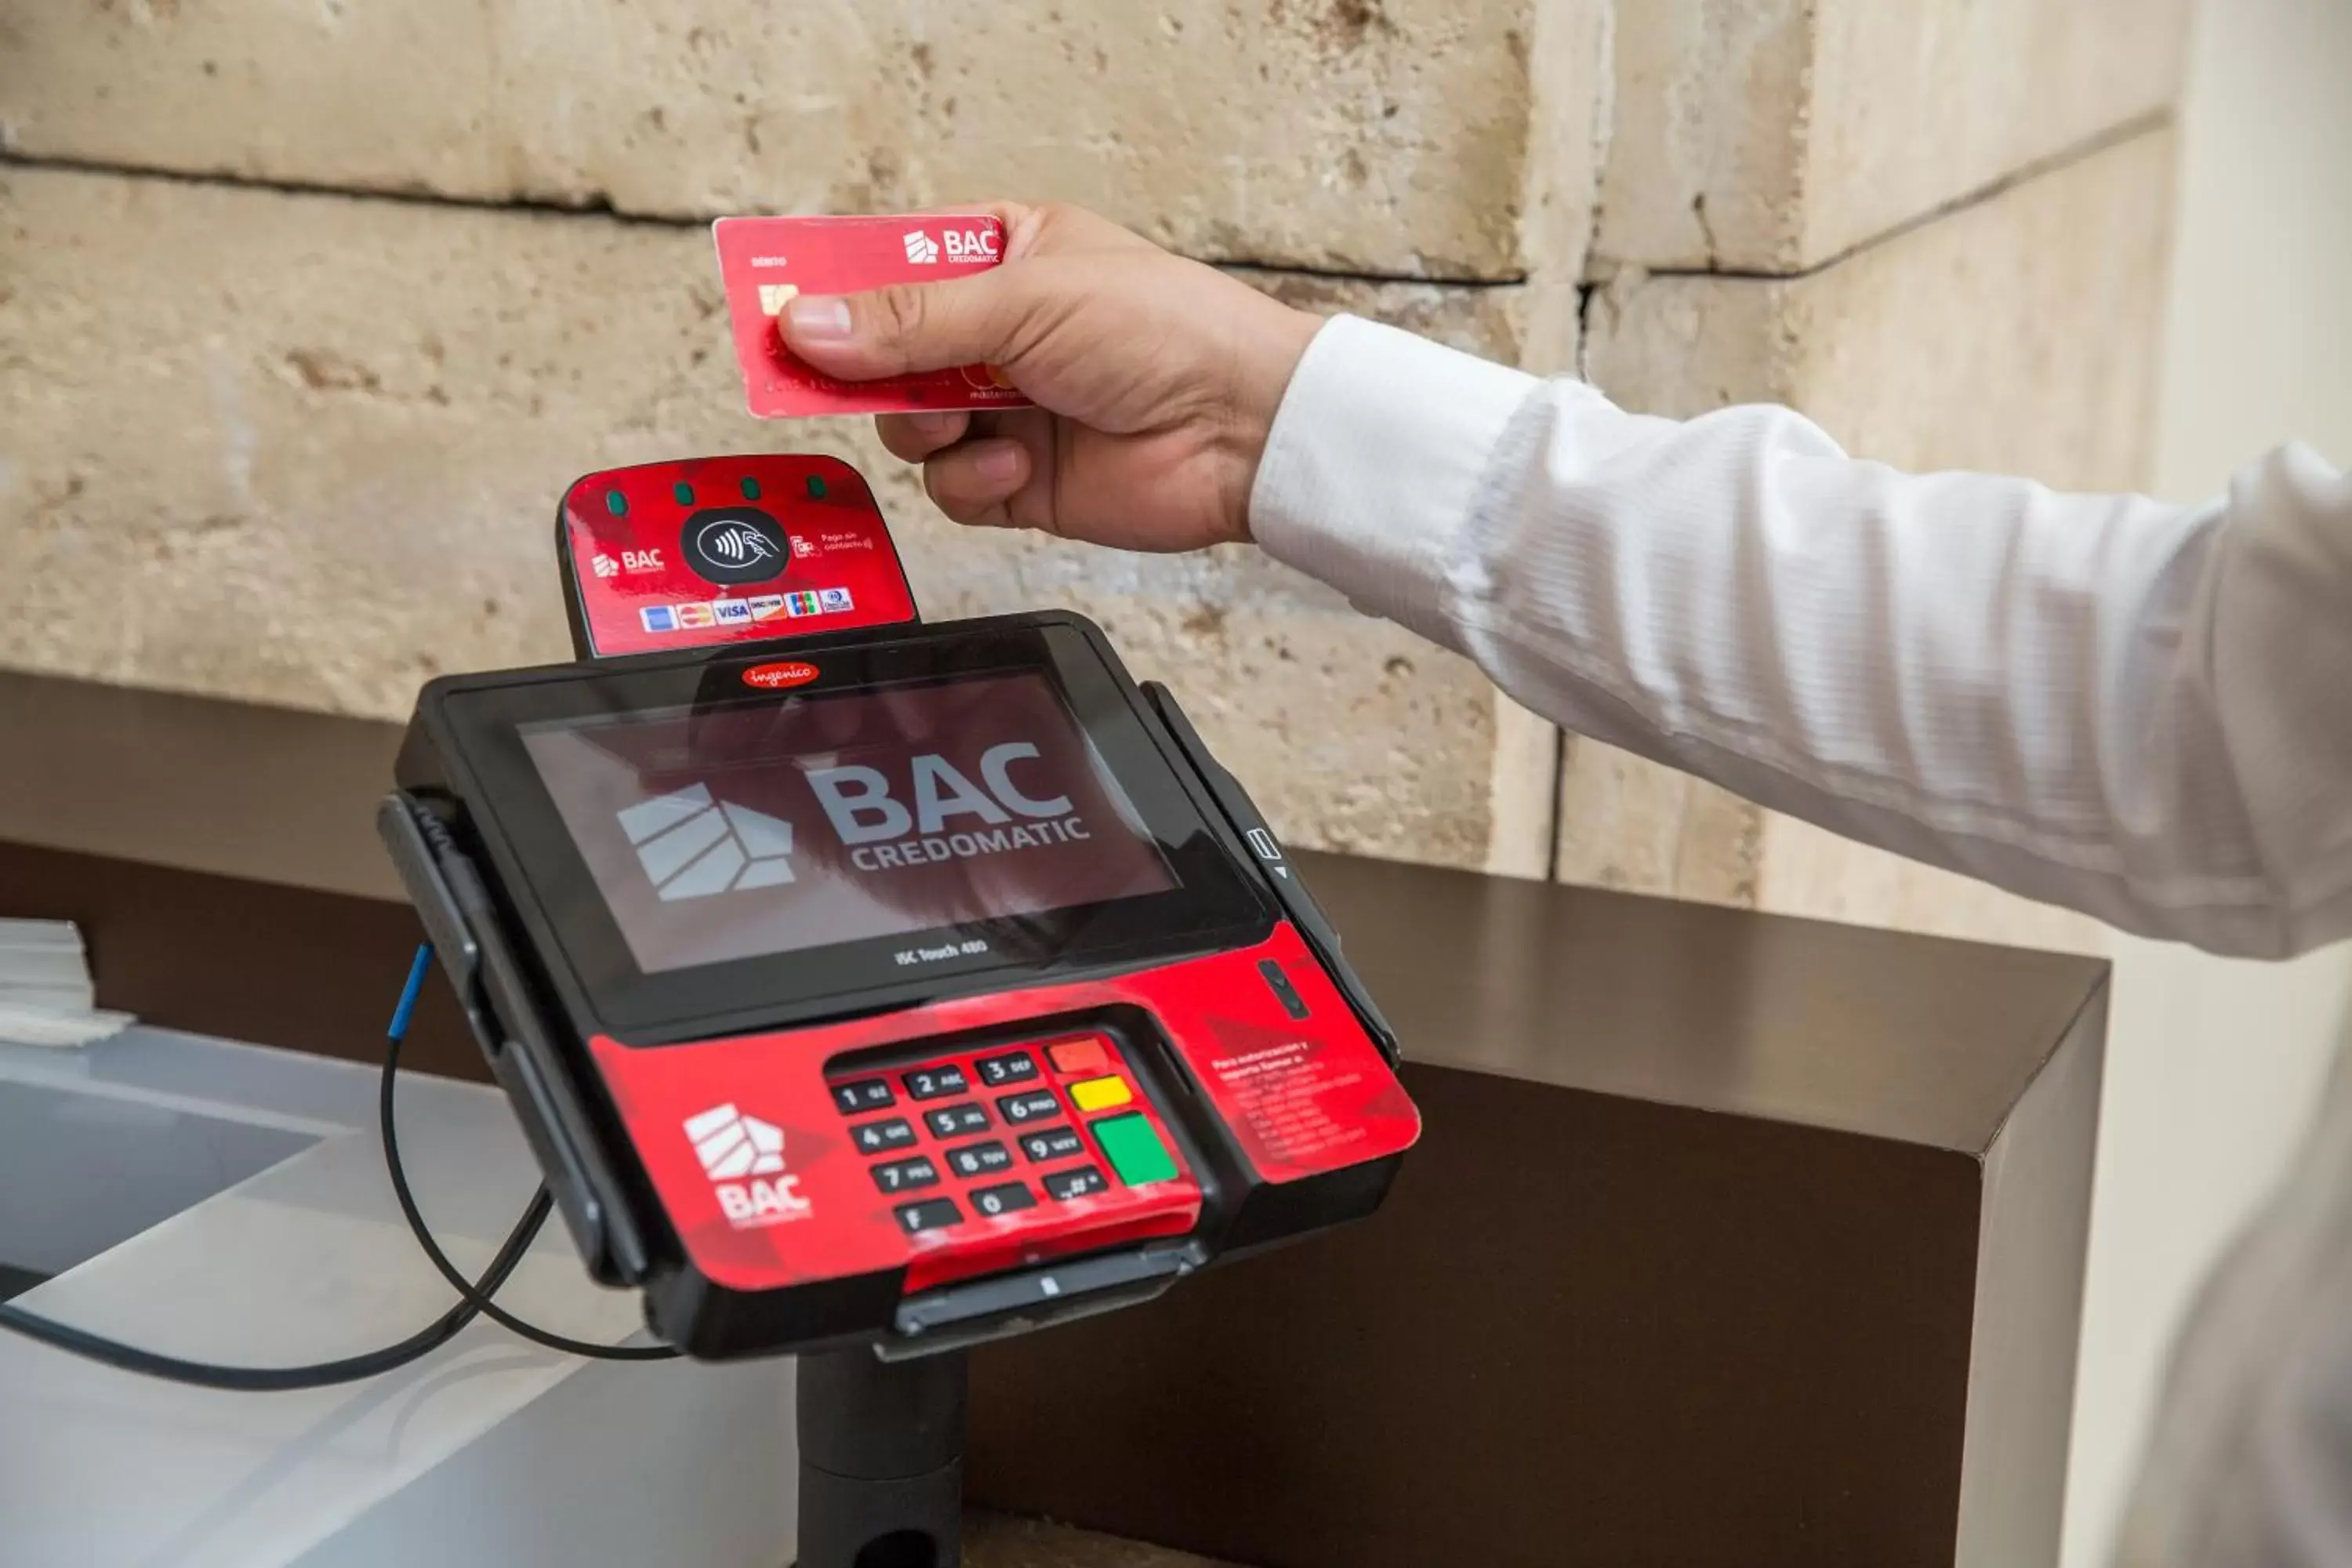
[454, 909]
[1265, 851]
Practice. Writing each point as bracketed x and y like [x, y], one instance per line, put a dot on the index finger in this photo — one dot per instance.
[911, 437]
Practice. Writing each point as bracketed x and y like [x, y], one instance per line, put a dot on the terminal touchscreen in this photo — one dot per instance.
[890, 983]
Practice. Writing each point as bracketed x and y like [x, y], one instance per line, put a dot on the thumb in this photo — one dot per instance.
[911, 326]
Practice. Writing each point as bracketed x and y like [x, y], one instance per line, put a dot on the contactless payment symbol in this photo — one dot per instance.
[734, 544]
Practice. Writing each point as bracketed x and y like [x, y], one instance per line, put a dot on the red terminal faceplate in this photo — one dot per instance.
[711, 552]
[755, 1154]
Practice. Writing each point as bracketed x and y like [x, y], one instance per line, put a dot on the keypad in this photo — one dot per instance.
[935, 1083]
[1034, 1106]
[866, 1094]
[1100, 1093]
[994, 1133]
[1014, 1067]
[881, 1137]
[1055, 1144]
[1080, 1056]
[905, 1175]
[979, 1159]
[932, 1214]
[1009, 1198]
[1075, 1183]
[956, 1120]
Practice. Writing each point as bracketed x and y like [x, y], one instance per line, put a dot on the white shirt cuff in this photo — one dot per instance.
[1373, 462]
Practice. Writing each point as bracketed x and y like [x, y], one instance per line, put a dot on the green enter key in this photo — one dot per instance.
[1134, 1149]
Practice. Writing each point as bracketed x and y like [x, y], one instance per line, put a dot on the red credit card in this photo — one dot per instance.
[765, 262]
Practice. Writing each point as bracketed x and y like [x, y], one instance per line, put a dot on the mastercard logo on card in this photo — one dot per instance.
[765, 262]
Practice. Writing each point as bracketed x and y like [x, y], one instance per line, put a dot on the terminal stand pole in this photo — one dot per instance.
[881, 1455]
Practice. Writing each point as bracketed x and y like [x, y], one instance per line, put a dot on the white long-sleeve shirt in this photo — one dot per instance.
[2135, 710]
[2139, 710]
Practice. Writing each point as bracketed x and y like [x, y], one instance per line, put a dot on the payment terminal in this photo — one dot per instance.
[864, 984]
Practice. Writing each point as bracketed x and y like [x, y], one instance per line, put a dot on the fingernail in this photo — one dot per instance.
[816, 318]
[932, 427]
[999, 464]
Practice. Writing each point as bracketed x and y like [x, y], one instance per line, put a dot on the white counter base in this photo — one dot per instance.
[490, 1450]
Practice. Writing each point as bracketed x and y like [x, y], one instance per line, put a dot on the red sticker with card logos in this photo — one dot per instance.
[765, 262]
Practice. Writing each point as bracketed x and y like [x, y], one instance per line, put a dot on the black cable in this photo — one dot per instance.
[475, 1294]
[478, 1299]
[282, 1379]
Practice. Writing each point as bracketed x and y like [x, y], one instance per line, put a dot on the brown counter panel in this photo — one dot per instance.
[1582, 1330]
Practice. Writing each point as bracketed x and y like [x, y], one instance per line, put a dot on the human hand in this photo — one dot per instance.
[1155, 381]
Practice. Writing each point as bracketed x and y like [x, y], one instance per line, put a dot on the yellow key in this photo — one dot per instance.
[1100, 1093]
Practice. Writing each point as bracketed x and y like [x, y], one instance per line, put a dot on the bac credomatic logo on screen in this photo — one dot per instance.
[693, 845]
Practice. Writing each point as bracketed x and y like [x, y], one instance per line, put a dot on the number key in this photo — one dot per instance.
[881, 1137]
[1015, 1066]
[932, 1083]
[1005, 1199]
[865, 1095]
[1054, 1144]
[978, 1159]
[956, 1120]
[905, 1175]
[1034, 1106]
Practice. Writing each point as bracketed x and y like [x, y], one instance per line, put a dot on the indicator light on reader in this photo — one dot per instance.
[816, 487]
[616, 503]
[751, 490]
[683, 492]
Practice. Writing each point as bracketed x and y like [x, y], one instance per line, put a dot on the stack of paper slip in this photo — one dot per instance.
[47, 997]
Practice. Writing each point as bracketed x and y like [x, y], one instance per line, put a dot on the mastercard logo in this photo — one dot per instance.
[777, 677]
[987, 377]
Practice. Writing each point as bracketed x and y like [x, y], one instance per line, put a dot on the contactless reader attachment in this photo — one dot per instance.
[861, 983]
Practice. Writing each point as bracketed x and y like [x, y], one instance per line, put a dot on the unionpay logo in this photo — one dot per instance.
[744, 1158]
[922, 248]
[692, 847]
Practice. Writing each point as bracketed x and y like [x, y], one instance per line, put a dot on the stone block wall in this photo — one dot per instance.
[309, 308]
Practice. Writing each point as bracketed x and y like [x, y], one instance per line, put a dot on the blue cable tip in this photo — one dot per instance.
[410, 992]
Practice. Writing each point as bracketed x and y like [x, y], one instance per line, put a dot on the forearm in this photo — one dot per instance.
[2089, 701]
